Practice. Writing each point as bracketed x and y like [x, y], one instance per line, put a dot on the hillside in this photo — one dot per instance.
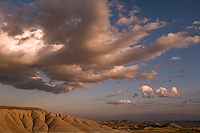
[25, 119]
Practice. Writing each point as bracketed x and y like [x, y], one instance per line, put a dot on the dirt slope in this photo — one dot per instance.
[24, 120]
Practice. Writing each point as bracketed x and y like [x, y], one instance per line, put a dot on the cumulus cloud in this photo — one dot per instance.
[74, 42]
[121, 102]
[119, 93]
[163, 92]
[175, 58]
[148, 75]
[147, 92]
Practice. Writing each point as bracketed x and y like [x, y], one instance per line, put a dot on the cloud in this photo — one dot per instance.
[147, 92]
[175, 58]
[135, 95]
[194, 27]
[119, 93]
[182, 70]
[126, 21]
[162, 44]
[121, 72]
[116, 3]
[196, 22]
[132, 18]
[115, 94]
[65, 40]
[148, 75]
[121, 102]
[160, 65]
[163, 92]
[197, 28]
[190, 27]
[25, 80]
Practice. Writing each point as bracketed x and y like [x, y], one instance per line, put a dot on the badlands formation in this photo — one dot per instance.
[26, 120]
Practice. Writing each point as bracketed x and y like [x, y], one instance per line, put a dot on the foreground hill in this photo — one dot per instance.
[24, 119]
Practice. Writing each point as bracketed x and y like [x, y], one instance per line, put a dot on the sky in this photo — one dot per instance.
[102, 60]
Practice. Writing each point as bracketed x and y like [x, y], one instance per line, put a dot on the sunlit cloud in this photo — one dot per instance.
[73, 48]
[121, 72]
[175, 58]
[196, 22]
[147, 92]
[163, 92]
[125, 21]
[190, 27]
[194, 26]
[148, 75]
[131, 19]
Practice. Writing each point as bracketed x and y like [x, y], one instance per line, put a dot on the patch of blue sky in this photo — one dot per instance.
[47, 79]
